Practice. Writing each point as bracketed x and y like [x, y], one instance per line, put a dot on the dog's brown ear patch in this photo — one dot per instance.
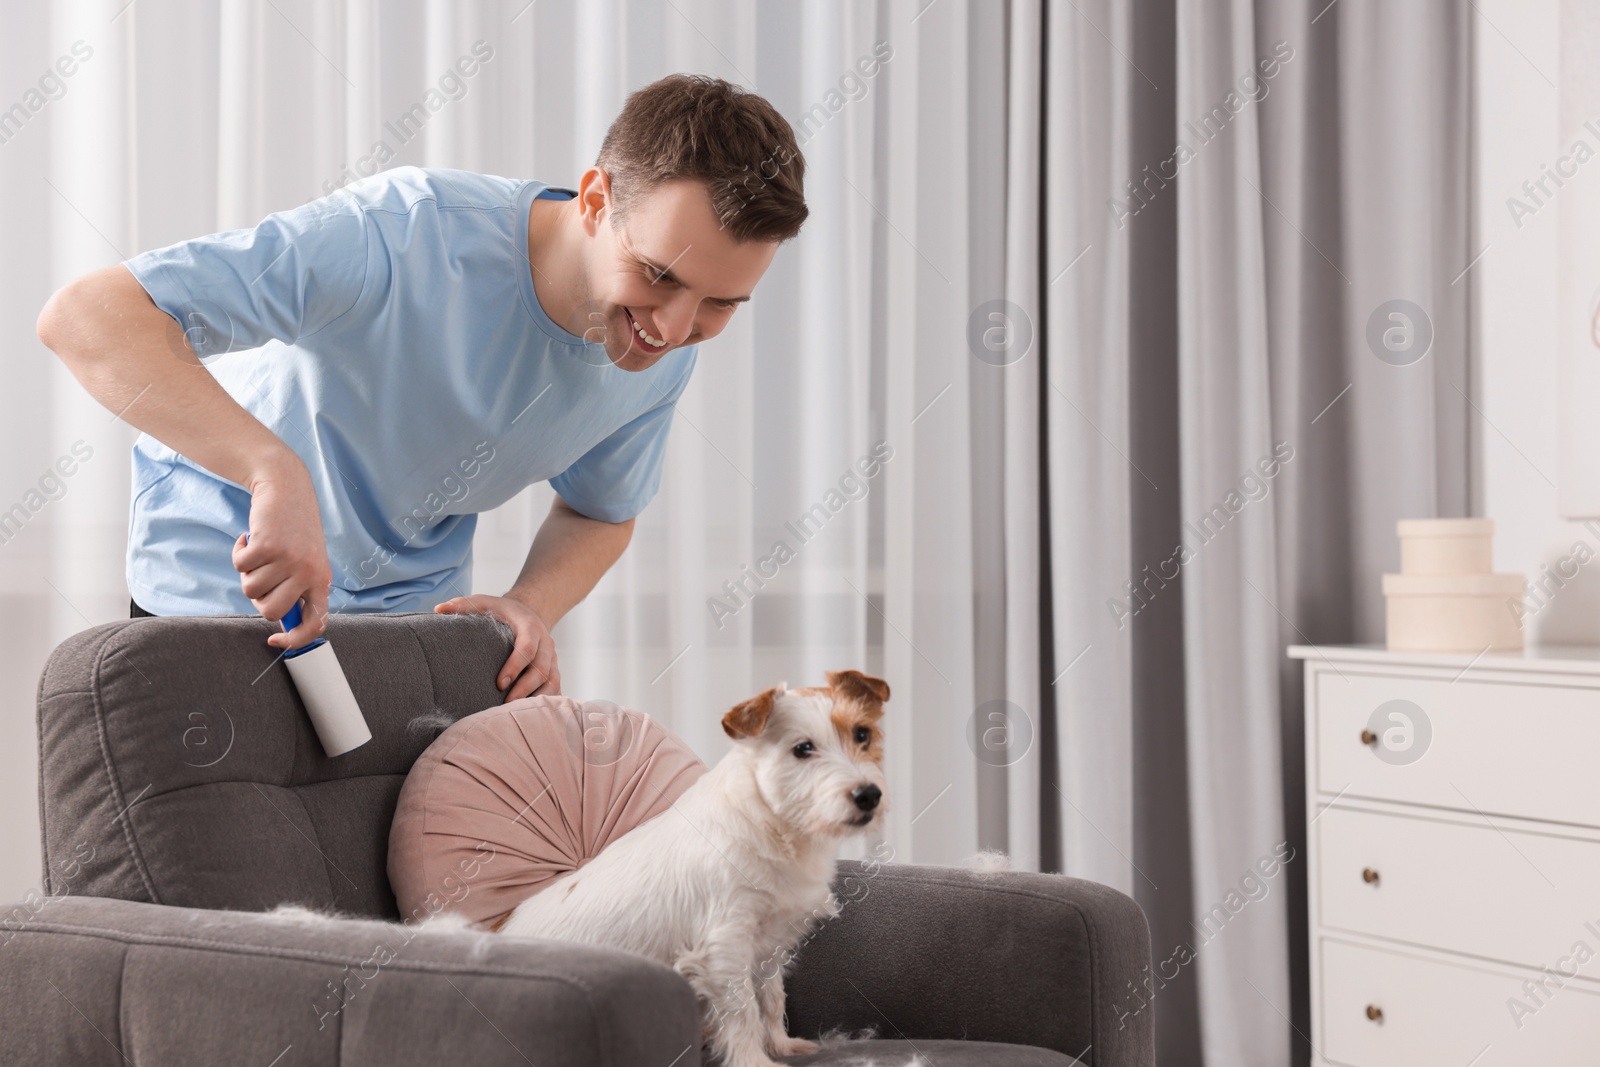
[860, 686]
[750, 718]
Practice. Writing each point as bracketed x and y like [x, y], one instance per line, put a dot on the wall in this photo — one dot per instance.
[1516, 130]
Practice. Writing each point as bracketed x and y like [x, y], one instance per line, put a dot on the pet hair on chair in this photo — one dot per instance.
[301, 913]
[437, 721]
[988, 861]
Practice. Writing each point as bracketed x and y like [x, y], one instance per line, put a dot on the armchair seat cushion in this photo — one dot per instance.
[97, 982]
[932, 1054]
[508, 799]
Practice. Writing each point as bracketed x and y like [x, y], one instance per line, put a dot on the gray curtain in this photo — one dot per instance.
[1239, 233]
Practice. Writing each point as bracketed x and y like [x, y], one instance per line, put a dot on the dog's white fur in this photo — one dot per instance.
[723, 884]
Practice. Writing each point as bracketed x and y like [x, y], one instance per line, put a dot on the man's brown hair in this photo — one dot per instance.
[733, 140]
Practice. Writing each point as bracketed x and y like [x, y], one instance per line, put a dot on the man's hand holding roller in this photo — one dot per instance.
[284, 557]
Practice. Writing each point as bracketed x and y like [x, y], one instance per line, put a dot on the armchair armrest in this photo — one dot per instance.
[97, 981]
[920, 951]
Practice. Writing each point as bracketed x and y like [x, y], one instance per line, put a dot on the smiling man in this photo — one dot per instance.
[352, 381]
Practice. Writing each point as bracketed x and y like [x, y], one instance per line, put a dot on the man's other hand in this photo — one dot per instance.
[531, 669]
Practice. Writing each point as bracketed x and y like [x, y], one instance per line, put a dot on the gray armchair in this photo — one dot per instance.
[184, 795]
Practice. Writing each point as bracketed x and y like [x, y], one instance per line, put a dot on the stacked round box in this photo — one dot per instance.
[1447, 597]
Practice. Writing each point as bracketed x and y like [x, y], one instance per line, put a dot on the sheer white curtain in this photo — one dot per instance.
[192, 117]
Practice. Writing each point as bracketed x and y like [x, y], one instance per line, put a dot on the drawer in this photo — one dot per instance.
[1446, 1015]
[1522, 750]
[1522, 897]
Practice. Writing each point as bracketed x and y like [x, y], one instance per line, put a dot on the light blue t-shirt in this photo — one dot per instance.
[389, 334]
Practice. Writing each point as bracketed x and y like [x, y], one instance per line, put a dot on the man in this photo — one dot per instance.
[378, 366]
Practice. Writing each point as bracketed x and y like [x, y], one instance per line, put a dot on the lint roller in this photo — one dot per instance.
[325, 691]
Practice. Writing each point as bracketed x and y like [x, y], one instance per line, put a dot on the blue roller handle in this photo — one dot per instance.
[290, 620]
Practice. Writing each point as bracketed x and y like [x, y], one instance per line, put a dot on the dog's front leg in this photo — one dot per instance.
[770, 996]
[719, 971]
[779, 936]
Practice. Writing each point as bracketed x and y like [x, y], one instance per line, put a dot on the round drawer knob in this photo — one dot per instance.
[1368, 737]
[1369, 876]
[1375, 1013]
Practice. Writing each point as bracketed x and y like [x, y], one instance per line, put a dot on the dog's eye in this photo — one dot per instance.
[863, 735]
[803, 749]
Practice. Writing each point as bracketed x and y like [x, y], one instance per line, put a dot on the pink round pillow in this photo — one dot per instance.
[510, 798]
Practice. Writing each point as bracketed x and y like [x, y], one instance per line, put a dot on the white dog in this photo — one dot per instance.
[723, 884]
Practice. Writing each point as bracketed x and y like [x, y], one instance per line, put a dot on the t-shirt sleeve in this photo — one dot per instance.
[615, 479]
[287, 277]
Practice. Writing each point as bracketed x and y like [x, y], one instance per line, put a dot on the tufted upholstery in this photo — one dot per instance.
[227, 800]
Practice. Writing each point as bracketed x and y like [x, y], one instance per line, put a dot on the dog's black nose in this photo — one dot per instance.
[866, 796]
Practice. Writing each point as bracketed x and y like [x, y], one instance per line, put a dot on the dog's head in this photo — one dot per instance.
[817, 751]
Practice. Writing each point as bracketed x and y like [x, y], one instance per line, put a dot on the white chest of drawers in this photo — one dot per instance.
[1453, 860]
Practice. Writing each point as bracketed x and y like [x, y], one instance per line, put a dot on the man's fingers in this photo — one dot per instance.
[536, 679]
[463, 605]
[246, 557]
[259, 572]
[312, 626]
[527, 684]
[313, 614]
[298, 637]
[530, 669]
[513, 667]
[530, 684]
[522, 656]
[544, 660]
[317, 597]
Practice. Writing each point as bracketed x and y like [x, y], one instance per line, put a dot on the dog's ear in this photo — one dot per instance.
[863, 687]
[750, 718]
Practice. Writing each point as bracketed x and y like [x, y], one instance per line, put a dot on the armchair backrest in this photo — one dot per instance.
[178, 766]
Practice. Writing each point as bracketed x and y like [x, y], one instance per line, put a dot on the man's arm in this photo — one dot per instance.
[569, 554]
[130, 355]
[618, 476]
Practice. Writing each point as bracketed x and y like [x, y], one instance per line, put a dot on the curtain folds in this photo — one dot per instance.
[1223, 197]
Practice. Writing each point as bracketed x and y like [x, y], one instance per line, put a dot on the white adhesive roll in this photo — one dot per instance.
[325, 692]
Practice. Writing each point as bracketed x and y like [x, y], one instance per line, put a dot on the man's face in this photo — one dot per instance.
[669, 269]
